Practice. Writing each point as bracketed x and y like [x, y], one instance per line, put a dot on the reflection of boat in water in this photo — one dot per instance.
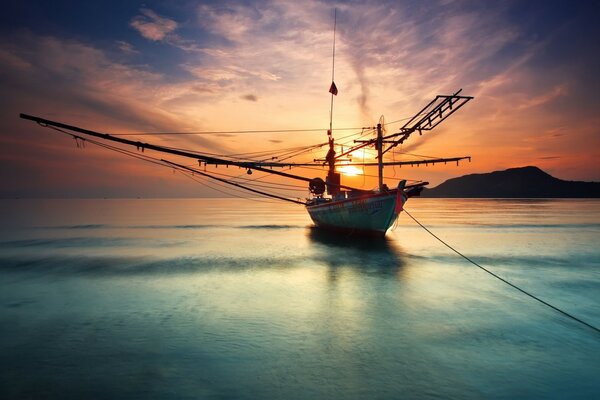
[345, 242]
[332, 205]
[380, 256]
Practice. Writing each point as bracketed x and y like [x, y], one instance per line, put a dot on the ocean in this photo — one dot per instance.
[242, 299]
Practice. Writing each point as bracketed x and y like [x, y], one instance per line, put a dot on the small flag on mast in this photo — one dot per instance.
[333, 89]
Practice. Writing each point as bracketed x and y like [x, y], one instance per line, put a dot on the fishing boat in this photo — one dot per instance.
[330, 204]
[374, 212]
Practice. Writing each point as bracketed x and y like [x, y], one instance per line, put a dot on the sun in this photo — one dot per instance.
[350, 170]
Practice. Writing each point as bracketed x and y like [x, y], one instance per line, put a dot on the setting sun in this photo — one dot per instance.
[350, 170]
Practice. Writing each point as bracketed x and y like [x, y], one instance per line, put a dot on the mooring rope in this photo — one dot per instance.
[502, 279]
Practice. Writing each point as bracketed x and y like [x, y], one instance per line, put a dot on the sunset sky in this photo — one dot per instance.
[198, 66]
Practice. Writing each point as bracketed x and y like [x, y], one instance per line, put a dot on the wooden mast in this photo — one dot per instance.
[380, 155]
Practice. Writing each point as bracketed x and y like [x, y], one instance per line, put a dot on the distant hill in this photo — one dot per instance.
[524, 182]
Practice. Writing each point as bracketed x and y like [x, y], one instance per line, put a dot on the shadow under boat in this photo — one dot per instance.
[378, 255]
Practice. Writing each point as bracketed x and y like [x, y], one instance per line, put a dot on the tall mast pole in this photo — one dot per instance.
[332, 71]
[333, 179]
[380, 155]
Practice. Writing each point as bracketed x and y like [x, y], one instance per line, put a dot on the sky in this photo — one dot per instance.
[206, 66]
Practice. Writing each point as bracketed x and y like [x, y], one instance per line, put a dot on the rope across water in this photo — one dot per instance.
[502, 279]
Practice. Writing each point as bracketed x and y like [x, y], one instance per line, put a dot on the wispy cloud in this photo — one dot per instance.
[69, 79]
[158, 28]
[250, 97]
[232, 22]
[152, 26]
[555, 92]
[126, 47]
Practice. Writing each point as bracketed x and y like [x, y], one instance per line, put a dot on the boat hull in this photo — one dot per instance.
[370, 214]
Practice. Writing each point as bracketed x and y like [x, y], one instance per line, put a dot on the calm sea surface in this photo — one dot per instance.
[238, 299]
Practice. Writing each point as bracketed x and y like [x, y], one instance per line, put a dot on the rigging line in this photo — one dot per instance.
[164, 164]
[228, 132]
[364, 131]
[265, 194]
[60, 126]
[147, 159]
[281, 186]
[273, 188]
[138, 144]
[155, 161]
[274, 151]
[235, 157]
[111, 148]
[192, 177]
[251, 131]
[270, 185]
[351, 143]
[412, 154]
[280, 152]
[292, 155]
[246, 131]
[404, 119]
[363, 174]
[273, 185]
[284, 155]
[229, 193]
[393, 166]
[240, 176]
[320, 168]
[232, 183]
[242, 179]
[502, 279]
[255, 153]
[150, 160]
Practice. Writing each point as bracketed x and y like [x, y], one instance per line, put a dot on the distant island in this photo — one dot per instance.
[524, 182]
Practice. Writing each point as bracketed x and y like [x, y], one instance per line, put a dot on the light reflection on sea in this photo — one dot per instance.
[227, 298]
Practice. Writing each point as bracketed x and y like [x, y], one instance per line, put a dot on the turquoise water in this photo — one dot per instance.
[228, 299]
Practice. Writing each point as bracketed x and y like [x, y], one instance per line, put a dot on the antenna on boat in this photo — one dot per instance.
[333, 89]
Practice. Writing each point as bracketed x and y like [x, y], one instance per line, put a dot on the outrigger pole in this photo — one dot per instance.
[258, 166]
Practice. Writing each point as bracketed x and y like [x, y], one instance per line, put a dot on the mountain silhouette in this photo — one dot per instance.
[523, 182]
